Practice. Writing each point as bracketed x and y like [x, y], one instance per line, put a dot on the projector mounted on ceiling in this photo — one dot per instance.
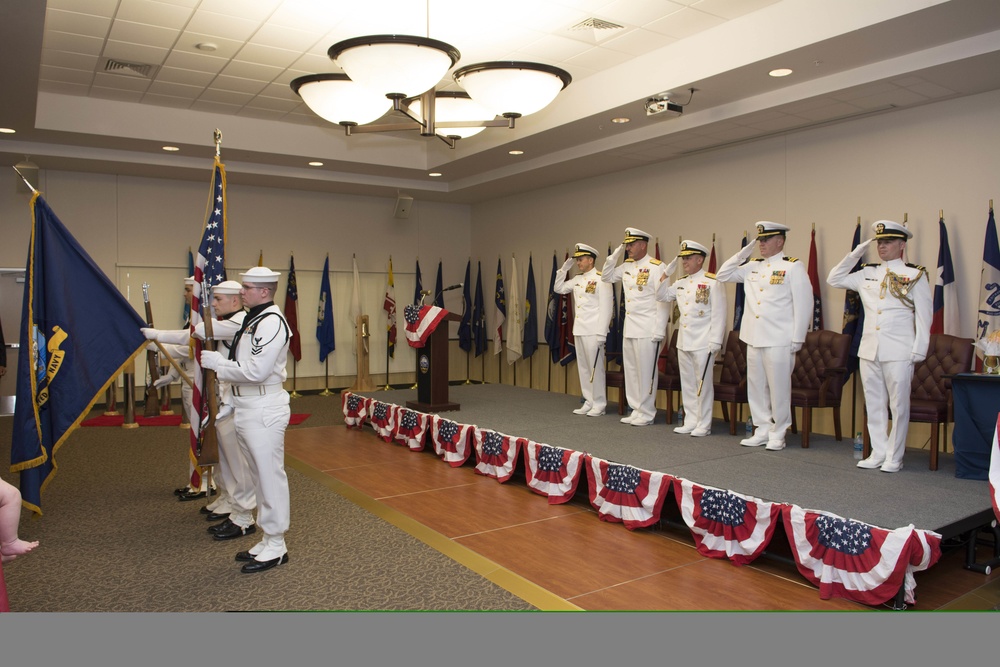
[661, 104]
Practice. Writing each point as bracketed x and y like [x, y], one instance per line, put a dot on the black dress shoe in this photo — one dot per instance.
[244, 556]
[191, 495]
[182, 491]
[216, 517]
[205, 510]
[233, 531]
[261, 565]
[220, 526]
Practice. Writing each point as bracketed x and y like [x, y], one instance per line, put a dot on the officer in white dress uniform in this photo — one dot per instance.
[701, 301]
[898, 306]
[255, 370]
[236, 493]
[645, 321]
[592, 317]
[776, 315]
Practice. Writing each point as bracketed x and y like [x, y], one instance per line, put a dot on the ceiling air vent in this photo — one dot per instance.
[593, 30]
[596, 24]
[138, 70]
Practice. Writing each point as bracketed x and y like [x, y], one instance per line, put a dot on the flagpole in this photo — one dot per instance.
[326, 391]
[295, 377]
[26, 182]
[468, 365]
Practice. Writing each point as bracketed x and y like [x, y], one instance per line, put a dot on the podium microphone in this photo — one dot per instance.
[448, 289]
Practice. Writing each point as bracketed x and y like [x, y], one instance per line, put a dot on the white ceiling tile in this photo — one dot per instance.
[135, 53]
[64, 41]
[251, 71]
[225, 97]
[71, 60]
[167, 101]
[63, 88]
[731, 9]
[314, 64]
[154, 13]
[599, 58]
[638, 12]
[836, 110]
[282, 37]
[867, 90]
[781, 123]
[684, 23]
[170, 89]
[307, 15]
[195, 61]
[188, 77]
[228, 27]
[280, 90]
[273, 103]
[267, 114]
[266, 55]
[255, 9]
[95, 7]
[553, 49]
[120, 94]
[65, 75]
[931, 90]
[194, 3]
[901, 97]
[216, 107]
[224, 48]
[238, 85]
[638, 42]
[285, 78]
[735, 134]
[140, 33]
[76, 23]
[121, 81]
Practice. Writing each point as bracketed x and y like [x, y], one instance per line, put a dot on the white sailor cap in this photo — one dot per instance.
[887, 229]
[692, 248]
[227, 287]
[632, 235]
[583, 250]
[767, 228]
[189, 280]
[260, 274]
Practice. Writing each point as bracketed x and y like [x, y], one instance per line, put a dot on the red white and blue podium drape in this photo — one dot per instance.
[844, 558]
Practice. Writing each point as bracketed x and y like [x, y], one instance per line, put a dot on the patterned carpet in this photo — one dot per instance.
[114, 539]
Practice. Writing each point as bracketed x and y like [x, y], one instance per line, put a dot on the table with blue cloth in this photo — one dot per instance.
[976, 403]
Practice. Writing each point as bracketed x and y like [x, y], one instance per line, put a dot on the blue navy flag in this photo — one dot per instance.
[438, 286]
[988, 303]
[530, 341]
[613, 344]
[77, 335]
[324, 315]
[854, 314]
[419, 288]
[465, 326]
[552, 316]
[945, 319]
[740, 296]
[292, 312]
[479, 313]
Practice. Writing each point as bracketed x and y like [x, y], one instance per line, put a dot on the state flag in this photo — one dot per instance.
[530, 343]
[854, 313]
[324, 315]
[291, 312]
[989, 289]
[465, 326]
[389, 306]
[945, 319]
[813, 269]
[515, 322]
[479, 313]
[499, 311]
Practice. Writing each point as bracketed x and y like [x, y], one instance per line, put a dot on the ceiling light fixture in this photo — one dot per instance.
[781, 71]
[171, 149]
[621, 120]
[315, 163]
[7, 130]
[401, 72]
[434, 174]
[515, 152]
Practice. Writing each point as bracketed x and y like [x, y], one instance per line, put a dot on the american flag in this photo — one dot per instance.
[410, 428]
[421, 321]
[209, 270]
[625, 494]
[496, 454]
[552, 471]
[856, 561]
[355, 409]
[452, 441]
[725, 524]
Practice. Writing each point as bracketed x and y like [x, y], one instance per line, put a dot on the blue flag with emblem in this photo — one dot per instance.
[530, 340]
[324, 315]
[438, 289]
[613, 344]
[465, 326]
[552, 316]
[78, 333]
[479, 313]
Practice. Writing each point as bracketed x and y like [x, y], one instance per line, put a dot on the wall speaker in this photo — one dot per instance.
[403, 205]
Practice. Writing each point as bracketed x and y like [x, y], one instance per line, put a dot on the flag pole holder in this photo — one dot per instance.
[110, 408]
[363, 381]
[326, 391]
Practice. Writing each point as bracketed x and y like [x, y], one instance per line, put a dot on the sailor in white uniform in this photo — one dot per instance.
[898, 307]
[591, 319]
[645, 321]
[701, 301]
[776, 316]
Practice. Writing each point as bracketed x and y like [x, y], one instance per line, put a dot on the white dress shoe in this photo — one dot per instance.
[641, 422]
[700, 433]
[753, 442]
[582, 410]
[870, 463]
[626, 420]
[888, 466]
[596, 413]
[683, 430]
[775, 445]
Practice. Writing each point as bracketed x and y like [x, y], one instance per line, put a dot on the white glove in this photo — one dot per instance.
[210, 360]
[224, 411]
[748, 250]
[601, 340]
[917, 358]
[150, 333]
[672, 266]
[199, 331]
[657, 339]
[162, 381]
[567, 265]
[618, 251]
[151, 347]
[713, 348]
[796, 347]
[860, 249]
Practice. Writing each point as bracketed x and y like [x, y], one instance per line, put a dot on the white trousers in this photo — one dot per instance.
[260, 428]
[887, 385]
[236, 489]
[639, 359]
[769, 390]
[697, 409]
[590, 363]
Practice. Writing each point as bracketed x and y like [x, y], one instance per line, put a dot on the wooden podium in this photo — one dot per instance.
[432, 371]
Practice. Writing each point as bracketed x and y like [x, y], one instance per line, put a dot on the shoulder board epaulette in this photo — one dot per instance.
[598, 273]
[871, 264]
[709, 274]
[757, 259]
[629, 260]
[655, 261]
[916, 266]
[790, 259]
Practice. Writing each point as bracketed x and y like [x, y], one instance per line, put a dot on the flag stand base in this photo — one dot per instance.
[326, 392]
[294, 394]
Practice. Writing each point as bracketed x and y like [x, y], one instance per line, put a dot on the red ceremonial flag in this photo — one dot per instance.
[817, 320]
[711, 258]
[291, 312]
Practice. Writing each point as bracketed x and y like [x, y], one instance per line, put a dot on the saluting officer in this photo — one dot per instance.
[701, 301]
[776, 315]
[592, 317]
[896, 297]
[645, 321]
[256, 370]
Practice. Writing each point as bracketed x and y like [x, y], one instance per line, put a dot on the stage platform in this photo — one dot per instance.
[823, 477]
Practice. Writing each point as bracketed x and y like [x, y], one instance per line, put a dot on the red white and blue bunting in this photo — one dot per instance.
[411, 426]
[496, 453]
[552, 471]
[625, 494]
[452, 441]
[355, 409]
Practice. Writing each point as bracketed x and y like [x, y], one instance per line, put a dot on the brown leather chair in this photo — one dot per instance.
[818, 378]
[668, 376]
[732, 384]
[930, 391]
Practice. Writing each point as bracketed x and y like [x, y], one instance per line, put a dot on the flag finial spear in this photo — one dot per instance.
[217, 138]
[33, 190]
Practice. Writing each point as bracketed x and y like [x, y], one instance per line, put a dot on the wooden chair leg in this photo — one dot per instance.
[836, 423]
[934, 445]
[806, 426]
[794, 427]
[732, 419]
[621, 401]
[725, 412]
[670, 407]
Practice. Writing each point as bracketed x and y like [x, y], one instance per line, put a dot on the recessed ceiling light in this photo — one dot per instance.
[7, 130]
[171, 149]
[781, 71]
[515, 152]
[434, 174]
[621, 120]
[315, 163]
[206, 46]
